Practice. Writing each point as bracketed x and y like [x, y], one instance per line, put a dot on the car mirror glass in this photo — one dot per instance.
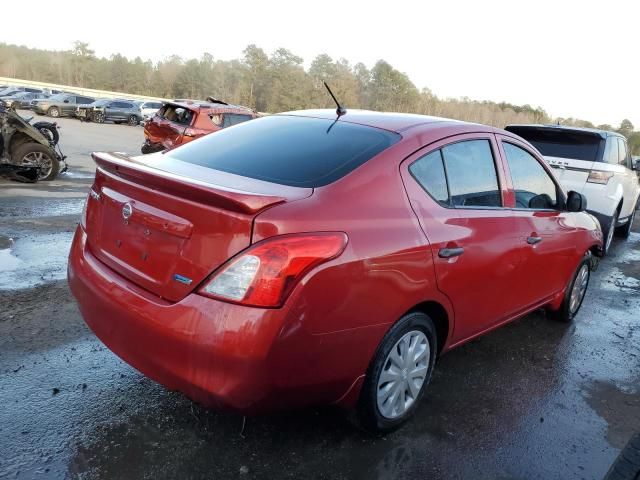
[576, 202]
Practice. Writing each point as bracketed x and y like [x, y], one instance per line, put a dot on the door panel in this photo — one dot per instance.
[544, 232]
[486, 250]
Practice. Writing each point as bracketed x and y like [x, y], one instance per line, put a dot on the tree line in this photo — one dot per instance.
[269, 83]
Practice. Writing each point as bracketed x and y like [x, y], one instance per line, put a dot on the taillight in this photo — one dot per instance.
[265, 273]
[599, 176]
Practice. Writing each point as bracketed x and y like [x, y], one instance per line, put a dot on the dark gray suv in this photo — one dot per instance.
[115, 110]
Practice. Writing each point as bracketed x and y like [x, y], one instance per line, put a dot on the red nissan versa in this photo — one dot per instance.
[303, 259]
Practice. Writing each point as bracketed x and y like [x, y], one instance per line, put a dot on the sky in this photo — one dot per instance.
[573, 58]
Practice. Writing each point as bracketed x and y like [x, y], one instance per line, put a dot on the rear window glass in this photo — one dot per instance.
[295, 151]
[175, 114]
[562, 144]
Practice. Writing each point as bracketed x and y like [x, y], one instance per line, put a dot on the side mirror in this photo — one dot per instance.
[576, 202]
[635, 164]
[66, 100]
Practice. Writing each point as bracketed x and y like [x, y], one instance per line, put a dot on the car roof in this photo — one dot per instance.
[568, 128]
[391, 121]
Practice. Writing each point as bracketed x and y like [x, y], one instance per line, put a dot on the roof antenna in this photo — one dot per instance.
[340, 110]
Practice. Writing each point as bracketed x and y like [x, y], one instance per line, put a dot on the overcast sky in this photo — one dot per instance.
[573, 58]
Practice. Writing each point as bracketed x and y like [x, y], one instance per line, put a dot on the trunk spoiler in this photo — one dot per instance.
[127, 168]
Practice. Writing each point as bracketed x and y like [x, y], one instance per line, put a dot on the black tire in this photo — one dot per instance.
[133, 120]
[625, 230]
[566, 313]
[608, 233]
[49, 131]
[627, 465]
[98, 117]
[368, 413]
[53, 112]
[28, 148]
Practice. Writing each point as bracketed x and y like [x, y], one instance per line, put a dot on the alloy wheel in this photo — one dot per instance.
[39, 159]
[403, 374]
[579, 288]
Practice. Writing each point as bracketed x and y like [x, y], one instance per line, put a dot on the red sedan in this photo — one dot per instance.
[303, 259]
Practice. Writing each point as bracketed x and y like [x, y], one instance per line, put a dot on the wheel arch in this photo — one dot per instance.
[440, 317]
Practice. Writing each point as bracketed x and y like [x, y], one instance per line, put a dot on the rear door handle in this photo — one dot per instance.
[533, 240]
[450, 252]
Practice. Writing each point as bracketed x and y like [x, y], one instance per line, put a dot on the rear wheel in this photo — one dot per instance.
[399, 374]
[576, 290]
[608, 235]
[37, 155]
[625, 230]
[53, 112]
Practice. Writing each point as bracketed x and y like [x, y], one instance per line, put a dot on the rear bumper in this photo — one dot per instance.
[219, 354]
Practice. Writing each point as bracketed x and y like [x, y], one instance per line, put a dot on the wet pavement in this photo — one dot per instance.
[534, 399]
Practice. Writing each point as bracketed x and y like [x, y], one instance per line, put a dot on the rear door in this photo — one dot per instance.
[545, 229]
[458, 194]
[68, 105]
[628, 179]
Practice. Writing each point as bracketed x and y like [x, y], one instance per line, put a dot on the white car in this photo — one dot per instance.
[596, 163]
[149, 109]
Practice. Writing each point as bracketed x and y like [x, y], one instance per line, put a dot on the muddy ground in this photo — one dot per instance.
[535, 399]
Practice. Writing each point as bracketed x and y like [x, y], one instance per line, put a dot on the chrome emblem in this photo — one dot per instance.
[127, 211]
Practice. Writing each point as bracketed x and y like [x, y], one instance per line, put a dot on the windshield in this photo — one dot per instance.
[295, 151]
[561, 143]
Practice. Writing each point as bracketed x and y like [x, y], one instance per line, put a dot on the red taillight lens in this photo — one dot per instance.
[265, 274]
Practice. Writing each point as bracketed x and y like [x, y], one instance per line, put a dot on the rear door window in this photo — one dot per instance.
[428, 171]
[534, 188]
[233, 119]
[471, 174]
[295, 151]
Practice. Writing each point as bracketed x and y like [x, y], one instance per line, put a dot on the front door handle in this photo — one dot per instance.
[450, 252]
[533, 240]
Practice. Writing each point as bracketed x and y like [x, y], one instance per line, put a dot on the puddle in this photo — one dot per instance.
[78, 174]
[34, 260]
[22, 207]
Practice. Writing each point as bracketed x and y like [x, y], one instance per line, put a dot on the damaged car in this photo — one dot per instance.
[30, 150]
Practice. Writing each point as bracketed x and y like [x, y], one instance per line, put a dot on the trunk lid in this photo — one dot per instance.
[165, 225]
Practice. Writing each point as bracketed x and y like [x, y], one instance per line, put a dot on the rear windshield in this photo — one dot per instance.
[563, 144]
[294, 151]
[175, 114]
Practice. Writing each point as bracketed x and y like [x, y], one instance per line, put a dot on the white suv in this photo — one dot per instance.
[595, 163]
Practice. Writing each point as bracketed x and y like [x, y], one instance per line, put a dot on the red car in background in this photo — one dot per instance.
[185, 120]
[303, 258]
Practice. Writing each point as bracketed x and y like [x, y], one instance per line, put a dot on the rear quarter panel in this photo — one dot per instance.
[348, 304]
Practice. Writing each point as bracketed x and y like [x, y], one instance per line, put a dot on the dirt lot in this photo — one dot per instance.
[535, 399]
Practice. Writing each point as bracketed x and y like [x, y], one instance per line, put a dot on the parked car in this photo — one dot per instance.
[60, 105]
[595, 163]
[22, 99]
[177, 123]
[303, 258]
[14, 90]
[115, 110]
[149, 109]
